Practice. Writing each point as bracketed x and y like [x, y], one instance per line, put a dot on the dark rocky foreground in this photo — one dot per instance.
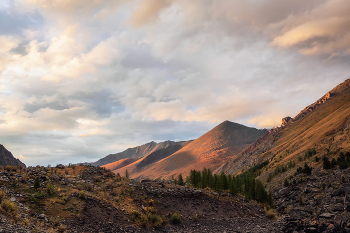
[316, 203]
[201, 211]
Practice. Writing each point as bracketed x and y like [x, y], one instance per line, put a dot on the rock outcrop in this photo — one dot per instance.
[6, 158]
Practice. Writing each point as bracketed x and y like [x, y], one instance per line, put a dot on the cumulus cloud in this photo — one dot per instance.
[80, 80]
[322, 30]
[147, 11]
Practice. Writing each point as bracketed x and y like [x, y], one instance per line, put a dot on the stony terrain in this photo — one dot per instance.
[316, 203]
[92, 199]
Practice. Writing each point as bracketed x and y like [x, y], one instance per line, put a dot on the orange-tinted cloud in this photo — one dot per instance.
[147, 11]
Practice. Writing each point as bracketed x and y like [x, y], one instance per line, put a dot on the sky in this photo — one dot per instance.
[83, 79]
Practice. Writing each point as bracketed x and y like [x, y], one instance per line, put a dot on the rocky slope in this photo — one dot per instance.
[320, 125]
[316, 203]
[6, 158]
[136, 152]
[92, 199]
[211, 150]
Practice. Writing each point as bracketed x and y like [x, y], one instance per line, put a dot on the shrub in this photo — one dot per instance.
[176, 218]
[97, 179]
[144, 221]
[9, 207]
[82, 195]
[110, 185]
[150, 209]
[50, 189]
[88, 187]
[2, 195]
[114, 192]
[271, 214]
[109, 174]
[151, 202]
[155, 219]
[25, 222]
[135, 215]
[286, 183]
[10, 168]
[21, 167]
[343, 179]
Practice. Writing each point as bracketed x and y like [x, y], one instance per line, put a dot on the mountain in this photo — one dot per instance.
[323, 125]
[135, 152]
[211, 150]
[136, 164]
[6, 158]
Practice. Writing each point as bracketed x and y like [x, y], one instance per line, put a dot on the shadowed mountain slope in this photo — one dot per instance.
[210, 150]
[136, 164]
[6, 158]
[120, 163]
[136, 152]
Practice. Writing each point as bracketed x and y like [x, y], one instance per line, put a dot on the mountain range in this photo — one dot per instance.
[231, 147]
[297, 173]
[211, 150]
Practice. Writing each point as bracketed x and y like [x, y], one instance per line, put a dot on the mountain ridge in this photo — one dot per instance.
[135, 152]
[224, 141]
[6, 158]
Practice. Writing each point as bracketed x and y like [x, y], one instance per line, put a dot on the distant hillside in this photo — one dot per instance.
[211, 150]
[324, 125]
[134, 165]
[135, 152]
[6, 158]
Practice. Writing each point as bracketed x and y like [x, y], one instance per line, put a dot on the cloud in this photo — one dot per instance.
[80, 80]
[147, 11]
[323, 30]
[8, 43]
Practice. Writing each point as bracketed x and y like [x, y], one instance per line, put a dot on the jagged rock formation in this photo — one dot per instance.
[6, 158]
[136, 152]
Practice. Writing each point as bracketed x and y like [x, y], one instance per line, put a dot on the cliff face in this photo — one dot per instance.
[6, 158]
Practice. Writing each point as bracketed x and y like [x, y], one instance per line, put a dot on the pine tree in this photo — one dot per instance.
[126, 174]
[326, 163]
[36, 183]
[181, 180]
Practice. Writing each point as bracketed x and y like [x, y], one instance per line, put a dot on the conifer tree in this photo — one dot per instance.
[181, 180]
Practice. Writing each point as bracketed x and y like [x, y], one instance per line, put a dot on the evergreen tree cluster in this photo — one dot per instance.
[280, 169]
[306, 170]
[310, 153]
[343, 161]
[244, 184]
[255, 171]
